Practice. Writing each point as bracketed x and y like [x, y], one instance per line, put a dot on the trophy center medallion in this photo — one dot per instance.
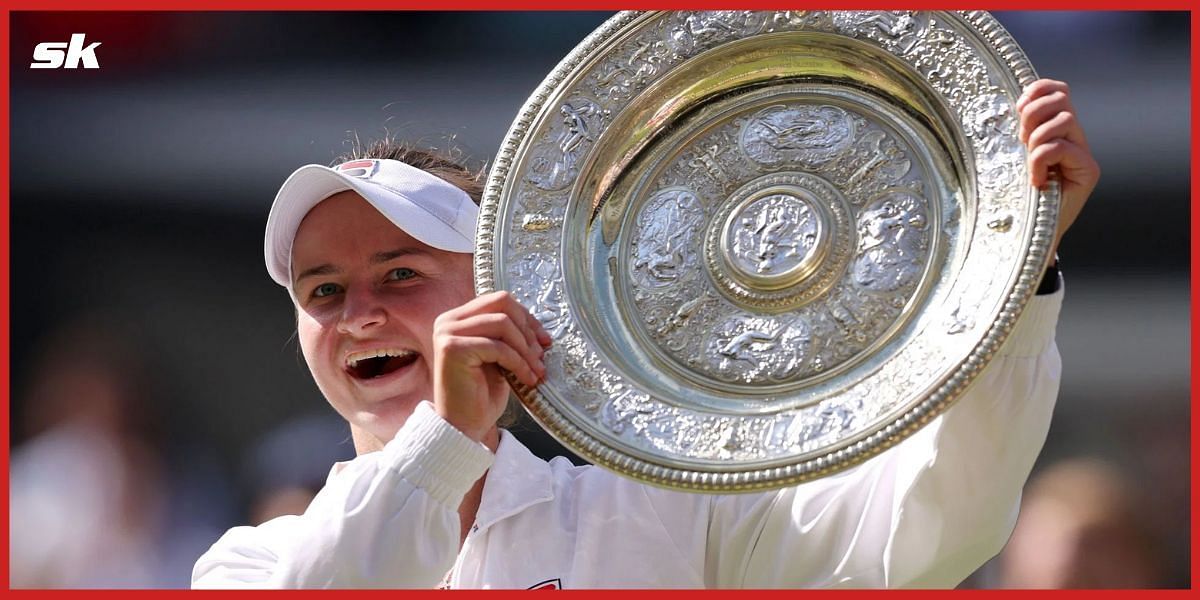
[775, 239]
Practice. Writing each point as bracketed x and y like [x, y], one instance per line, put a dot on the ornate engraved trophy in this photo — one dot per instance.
[768, 245]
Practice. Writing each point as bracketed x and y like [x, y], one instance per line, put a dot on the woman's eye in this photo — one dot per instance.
[326, 289]
[401, 274]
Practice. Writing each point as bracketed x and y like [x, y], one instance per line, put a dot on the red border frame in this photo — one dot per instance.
[1195, 347]
[257, 5]
[5, 320]
[577, 5]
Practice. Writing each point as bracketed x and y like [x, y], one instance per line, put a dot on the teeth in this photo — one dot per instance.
[354, 358]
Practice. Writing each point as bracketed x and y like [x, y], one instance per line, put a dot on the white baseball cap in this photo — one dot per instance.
[425, 206]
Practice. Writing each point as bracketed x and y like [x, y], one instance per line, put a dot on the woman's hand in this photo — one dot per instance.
[471, 343]
[1051, 131]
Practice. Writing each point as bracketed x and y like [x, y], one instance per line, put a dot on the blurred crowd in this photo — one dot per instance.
[104, 494]
[1088, 523]
[107, 492]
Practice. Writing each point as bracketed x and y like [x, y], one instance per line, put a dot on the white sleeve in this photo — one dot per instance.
[388, 519]
[925, 513]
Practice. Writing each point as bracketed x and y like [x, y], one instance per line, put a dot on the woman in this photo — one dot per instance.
[376, 256]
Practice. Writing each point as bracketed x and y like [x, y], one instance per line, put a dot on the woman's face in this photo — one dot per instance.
[367, 295]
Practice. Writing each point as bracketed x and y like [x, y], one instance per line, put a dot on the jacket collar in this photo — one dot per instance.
[516, 481]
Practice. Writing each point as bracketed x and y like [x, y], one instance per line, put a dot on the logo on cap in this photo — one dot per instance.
[362, 169]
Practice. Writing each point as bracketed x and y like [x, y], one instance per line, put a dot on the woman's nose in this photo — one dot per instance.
[361, 312]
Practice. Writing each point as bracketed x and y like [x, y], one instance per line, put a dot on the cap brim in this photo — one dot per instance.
[311, 184]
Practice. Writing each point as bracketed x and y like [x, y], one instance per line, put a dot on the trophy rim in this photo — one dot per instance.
[644, 467]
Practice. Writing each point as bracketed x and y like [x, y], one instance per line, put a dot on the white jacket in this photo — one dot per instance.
[926, 513]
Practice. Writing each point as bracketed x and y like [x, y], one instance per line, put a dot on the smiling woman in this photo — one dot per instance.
[367, 295]
[372, 251]
[376, 256]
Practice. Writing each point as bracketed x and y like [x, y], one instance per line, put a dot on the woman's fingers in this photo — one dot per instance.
[1063, 125]
[1048, 109]
[500, 327]
[506, 302]
[499, 316]
[483, 351]
[1039, 88]
[1051, 131]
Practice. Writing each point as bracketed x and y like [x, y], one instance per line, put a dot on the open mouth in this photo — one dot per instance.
[379, 363]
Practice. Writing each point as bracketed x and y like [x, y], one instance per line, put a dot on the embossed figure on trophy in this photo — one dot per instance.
[706, 162]
[680, 316]
[774, 230]
[892, 237]
[893, 24]
[813, 429]
[553, 166]
[750, 349]
[990, 119]
[775, 234]
[941, 37]
[817, 20]
[885, 158]
[809, 134]
[550, 310]
[843, 330]
[664, 256]
[843, 316]
[699, 29]
[535, 223]
[578, 129]
[720, 22]
[663, 245]
[538, 289]
[743, 344]
[802, 133]
[885, 224]
[902, 27]
[620, 409]
[616, 81]
[728, 440]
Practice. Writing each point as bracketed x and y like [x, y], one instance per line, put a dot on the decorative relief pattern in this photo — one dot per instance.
[554, 165]
[816, 270]
[751, 350]
[893, 242]
[774, 234]
[664, 244]
[886, 206]
[539, 228]
[898, 32]
[538, 285]
[714, 166]
[803, 135]
[758, 327]
[880, 162]
[691, 32]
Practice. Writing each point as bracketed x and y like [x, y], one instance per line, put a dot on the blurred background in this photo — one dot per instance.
[158, 396]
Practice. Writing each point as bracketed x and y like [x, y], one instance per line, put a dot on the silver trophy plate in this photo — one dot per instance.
[768, 245]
